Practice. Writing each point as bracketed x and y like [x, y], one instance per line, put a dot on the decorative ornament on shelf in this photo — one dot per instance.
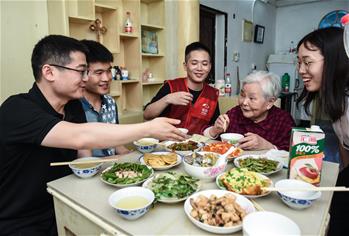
[98, 28]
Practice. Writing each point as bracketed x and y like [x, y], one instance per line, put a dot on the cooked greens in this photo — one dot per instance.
[260, 165]
[126, 173]
[173, 185]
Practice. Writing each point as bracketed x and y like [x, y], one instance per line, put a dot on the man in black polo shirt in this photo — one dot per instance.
[47, 125]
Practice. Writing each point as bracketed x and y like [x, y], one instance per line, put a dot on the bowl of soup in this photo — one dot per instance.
[132, 202]
[87, 169]
[232, 138]
[145, 145]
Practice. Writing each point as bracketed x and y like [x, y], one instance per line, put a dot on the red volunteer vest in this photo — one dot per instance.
[194, 117]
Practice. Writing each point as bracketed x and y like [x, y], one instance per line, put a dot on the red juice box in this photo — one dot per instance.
[306, 154]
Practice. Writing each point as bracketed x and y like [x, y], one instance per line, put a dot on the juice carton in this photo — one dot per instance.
[306, 154]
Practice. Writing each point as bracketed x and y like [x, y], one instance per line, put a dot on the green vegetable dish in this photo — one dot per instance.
[173, 185]
[260, 165]
[126, 173]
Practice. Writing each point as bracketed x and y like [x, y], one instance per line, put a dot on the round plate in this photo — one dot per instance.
[241, 200]
[278, 167]
[125, 185]
[248, 196]
[148, 182]
[182, 153]
[179, 160]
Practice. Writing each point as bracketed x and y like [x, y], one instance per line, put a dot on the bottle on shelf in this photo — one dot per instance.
[227, 86]
[285, 82]
[345, 22]
[220, 85]
[128, 23]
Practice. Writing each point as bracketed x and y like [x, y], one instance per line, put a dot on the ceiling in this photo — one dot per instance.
[283, 3]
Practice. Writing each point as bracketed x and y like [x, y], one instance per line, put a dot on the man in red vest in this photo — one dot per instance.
[188, 99]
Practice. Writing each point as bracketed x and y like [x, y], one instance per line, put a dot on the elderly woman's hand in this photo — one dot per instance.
[253, 141]
[220, 125]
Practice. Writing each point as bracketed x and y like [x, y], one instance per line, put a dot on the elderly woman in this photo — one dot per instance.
[263, 125]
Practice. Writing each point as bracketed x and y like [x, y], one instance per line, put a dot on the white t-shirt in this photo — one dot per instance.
[341, 128]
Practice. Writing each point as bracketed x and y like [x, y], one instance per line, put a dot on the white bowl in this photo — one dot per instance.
[269, 224]
[241, 200]
[131, 213]
[206, 173]
[146, 144]
[297, 199]
[85, 170]
[183, 130]
[232, 138]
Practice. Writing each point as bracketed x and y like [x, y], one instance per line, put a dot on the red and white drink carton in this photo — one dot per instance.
[306, 154]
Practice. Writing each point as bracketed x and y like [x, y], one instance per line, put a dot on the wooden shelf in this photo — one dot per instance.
[152, 55]
[152, 27]
[130, 81]
[127, 36]
[100, 8]
[115, 94]
[80, 19]
[155, 82]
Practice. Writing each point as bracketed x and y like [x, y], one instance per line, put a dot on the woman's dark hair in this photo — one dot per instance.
[335, 76]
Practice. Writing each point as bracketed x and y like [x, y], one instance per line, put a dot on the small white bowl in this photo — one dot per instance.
[297, 199]
[269, 224]
[183, 130]
[146, 144]
[132, 213]
[85, 170]
[206, 173]
[232, 138]
[241, 200]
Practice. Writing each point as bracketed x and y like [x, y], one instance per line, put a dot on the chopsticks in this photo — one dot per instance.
[102, 160]
[256, 205]
[339, 188]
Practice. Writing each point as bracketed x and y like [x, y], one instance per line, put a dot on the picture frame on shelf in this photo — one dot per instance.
[247, 30]
[259, 34]
[149, 42]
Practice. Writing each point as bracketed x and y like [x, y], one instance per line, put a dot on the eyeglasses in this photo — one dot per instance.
[83, 73]
[307, 64]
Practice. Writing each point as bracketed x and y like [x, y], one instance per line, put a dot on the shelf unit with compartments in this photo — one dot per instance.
[74, 18]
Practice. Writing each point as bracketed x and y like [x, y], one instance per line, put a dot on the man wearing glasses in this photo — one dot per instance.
[97, 104]
[46, 125]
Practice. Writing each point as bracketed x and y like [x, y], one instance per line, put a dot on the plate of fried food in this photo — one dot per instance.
[221, 148]
[161, 160]
[218, 211]
[183, 148]
[258, 163]
[247, 183]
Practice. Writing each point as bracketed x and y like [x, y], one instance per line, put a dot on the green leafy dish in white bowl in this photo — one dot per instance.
[172, 187]
[126, 174]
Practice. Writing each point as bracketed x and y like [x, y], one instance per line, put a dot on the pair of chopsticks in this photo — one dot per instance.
[102, 160]
[339, 188]
[256, 205]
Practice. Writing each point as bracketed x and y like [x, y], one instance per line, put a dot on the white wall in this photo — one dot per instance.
[23, 23]
[250, 52]
[294, 22]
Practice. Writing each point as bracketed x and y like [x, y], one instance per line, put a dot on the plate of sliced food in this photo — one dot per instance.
[221, 148]
[183, 148]
[258, 163]
[126, 174]
[247, 183]
[161, 160]
[172, 186]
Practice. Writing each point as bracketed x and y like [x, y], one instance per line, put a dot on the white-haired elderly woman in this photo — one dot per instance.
[264, 125]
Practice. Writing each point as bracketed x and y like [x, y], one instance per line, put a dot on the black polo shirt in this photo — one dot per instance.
[25, 120]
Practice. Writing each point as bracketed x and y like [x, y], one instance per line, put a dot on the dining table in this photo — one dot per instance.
[82, 208]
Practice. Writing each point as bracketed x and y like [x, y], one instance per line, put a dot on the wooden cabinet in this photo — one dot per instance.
[74, 18]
